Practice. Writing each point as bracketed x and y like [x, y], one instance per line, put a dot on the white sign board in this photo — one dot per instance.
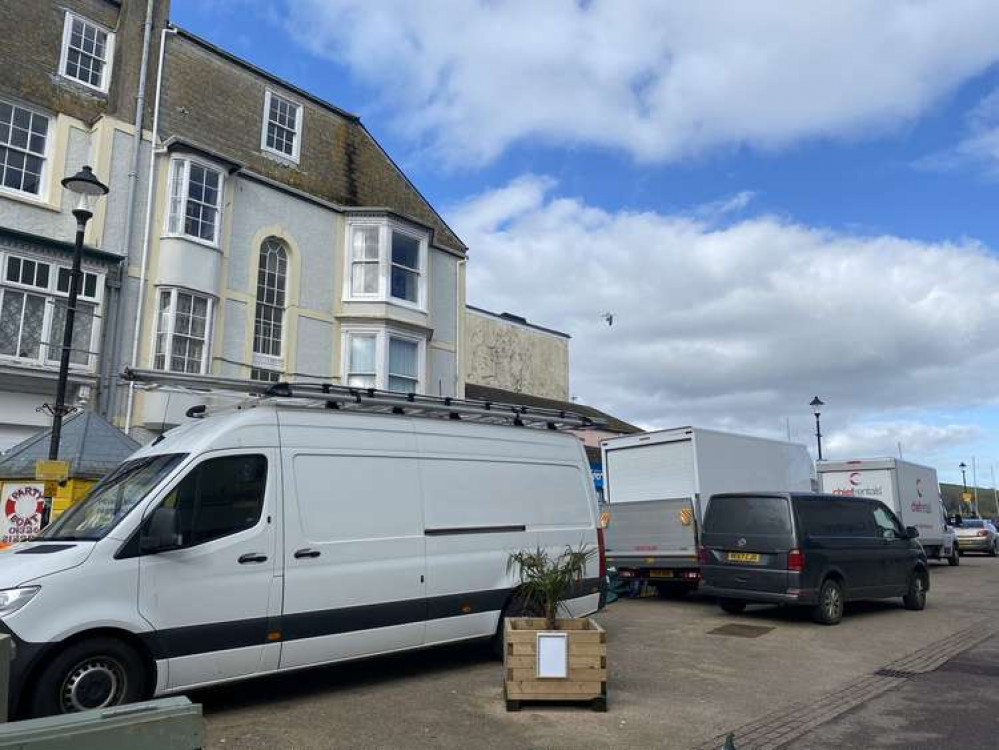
[21, 504]
[553, 655]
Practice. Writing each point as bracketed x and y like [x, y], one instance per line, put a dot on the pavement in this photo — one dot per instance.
[675, 682]
[956, 705]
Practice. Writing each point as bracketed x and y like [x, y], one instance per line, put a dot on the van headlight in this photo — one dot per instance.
[12, 600]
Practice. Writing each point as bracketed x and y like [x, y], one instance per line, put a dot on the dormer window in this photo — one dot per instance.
[282, 133]
[87, 51]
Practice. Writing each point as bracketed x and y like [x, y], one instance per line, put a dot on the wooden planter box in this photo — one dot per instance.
[587, 679]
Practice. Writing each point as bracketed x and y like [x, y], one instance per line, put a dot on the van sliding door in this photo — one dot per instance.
[354, 552]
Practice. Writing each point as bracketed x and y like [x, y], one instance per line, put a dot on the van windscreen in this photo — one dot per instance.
[748, 515]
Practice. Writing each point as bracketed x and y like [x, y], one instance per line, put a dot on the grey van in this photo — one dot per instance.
[806, 549]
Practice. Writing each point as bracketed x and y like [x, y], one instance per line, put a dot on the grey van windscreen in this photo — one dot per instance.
[748, 515]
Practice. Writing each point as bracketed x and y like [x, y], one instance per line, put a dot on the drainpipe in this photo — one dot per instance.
[148, 228]
[106, 404]
[459, 326]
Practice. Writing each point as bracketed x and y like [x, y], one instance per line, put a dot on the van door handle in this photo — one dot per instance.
[299, 554]
[252, 557]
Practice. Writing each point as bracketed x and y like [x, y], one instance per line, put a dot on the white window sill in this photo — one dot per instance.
[30, 198]
[37, 365]
[393, 301]
[193, 240]
[280, 157]
[103, 90]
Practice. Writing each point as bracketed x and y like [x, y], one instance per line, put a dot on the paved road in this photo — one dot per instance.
[956, 705]
[673, 684]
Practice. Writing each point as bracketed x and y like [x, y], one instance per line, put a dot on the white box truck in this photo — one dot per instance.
[909, 489]
[657, 487]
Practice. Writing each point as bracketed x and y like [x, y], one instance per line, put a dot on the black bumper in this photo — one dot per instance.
[25, 656]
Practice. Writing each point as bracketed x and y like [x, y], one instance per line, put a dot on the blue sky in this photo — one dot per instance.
[775, 200]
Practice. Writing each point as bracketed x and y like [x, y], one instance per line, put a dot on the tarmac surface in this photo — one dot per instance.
[674, 683]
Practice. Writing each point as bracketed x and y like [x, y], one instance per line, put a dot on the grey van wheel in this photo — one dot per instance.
[915, 598]
[732, 606]
[994, 550]
[955, 557]
[90, 674]
[829, 609]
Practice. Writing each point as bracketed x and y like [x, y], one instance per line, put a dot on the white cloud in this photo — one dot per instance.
[916, 438]
[739, 325]
[979, 149]
[659, 80]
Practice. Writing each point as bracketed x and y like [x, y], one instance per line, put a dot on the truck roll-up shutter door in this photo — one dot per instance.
[657, 471]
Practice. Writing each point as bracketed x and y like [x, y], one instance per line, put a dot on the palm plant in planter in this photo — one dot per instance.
[548, 657]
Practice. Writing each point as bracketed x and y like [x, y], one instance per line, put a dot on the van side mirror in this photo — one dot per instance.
[911, 532]
[160, 533]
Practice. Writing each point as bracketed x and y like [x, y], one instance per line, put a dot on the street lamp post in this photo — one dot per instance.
[87, 187]
[817, 405]
[964, 482]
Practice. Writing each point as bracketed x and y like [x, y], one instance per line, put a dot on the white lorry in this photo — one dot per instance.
[909, 489]
[657, 486]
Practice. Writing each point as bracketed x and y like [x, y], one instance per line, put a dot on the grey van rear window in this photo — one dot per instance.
[748, 515]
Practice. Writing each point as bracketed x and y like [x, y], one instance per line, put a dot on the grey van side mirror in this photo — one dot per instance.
[911, 532]
[161, 532]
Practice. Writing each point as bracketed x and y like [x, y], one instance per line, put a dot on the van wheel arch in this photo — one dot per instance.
[125, 636]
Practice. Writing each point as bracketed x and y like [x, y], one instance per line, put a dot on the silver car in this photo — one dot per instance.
[977, 535]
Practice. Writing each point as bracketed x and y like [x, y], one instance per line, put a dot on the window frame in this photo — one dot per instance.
[43, 179]
[171, 329]
[186, 472]
[50, 341]
[382, 335]
[386, 227]
[261, 360]
[67, 31]
[270, 94]
[184, 197]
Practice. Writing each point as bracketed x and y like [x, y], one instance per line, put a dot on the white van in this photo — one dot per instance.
[283, 536]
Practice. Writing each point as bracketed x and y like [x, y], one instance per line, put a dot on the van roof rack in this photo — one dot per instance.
[348, 398]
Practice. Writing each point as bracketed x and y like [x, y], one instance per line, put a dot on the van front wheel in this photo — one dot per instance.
[915, 598]
[90, 674]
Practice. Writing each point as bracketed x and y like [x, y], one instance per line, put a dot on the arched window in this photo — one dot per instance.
[272, 282]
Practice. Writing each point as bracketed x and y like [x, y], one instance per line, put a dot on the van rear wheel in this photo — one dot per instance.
[829, 610]
[91, 674]
[732, 606]
[955, 557]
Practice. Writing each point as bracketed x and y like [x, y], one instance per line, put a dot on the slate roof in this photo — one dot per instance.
[499, 395]
[89, 442]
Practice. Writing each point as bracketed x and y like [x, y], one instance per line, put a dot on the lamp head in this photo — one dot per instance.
[85, 182]
[816, 404]
[962, 466]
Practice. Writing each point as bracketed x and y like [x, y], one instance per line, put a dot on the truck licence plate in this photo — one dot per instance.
[660, 574]
[750, 557]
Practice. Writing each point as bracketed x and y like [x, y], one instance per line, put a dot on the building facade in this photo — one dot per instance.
[503, 350]
[253, 231]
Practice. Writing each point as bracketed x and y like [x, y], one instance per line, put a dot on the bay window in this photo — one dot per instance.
[33, 304]
[195, 209]
[183, 330]
[386, 262]
[384, 359]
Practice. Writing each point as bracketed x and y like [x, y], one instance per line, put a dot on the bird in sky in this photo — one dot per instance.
[609, 317]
